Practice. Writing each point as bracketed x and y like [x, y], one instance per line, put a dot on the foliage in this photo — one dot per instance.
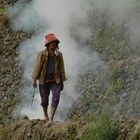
[3, 10]
[112, 42]
[102, 128]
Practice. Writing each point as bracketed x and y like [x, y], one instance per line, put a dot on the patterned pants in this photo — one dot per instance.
[45, 92]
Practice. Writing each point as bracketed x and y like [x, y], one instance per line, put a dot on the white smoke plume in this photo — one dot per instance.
[44, 17]
[58, 16]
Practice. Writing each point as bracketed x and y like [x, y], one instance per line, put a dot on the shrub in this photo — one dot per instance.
[3, 10]
[102, 128]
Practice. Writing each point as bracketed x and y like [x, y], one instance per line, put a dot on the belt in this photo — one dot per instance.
[50, 81]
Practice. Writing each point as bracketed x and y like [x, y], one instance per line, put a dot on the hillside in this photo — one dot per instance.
[108, 106]
[10, 72]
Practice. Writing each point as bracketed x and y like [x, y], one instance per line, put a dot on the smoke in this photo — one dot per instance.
[60, 16]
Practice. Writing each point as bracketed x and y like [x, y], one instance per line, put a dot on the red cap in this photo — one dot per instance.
[51, 38]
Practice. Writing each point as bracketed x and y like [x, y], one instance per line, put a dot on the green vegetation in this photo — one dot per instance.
[101, 128]
[111, 41]
[115, 88]
[111, 44]
[3, 10]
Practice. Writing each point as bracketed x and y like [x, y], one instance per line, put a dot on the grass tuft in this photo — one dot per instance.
[102, 128]
[3, 10]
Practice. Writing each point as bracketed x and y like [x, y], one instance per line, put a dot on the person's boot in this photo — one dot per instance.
[45, 114]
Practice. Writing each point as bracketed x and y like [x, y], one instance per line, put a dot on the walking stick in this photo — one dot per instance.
[33, 97]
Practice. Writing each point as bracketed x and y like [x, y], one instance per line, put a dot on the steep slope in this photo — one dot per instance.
[10, 69]
[38, 130]
[116, 92]
[120, 91]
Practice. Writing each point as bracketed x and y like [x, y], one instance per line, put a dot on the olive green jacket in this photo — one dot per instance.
[39, 71]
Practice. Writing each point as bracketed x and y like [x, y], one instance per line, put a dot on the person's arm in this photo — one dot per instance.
[62, 69]
[62, 72]
[37, 68]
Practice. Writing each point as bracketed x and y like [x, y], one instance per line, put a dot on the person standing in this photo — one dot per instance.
[50, 72]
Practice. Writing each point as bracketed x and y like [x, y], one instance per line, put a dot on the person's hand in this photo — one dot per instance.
[61, 85]
[34, 84]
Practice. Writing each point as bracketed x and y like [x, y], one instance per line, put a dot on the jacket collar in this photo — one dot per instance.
[57, 52]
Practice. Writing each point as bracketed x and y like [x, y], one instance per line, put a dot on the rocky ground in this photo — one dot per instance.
[10, 3]
[10, 69]
[116, 89]
[117, 84]
[128, 130]
[38, 130]
[7, 3]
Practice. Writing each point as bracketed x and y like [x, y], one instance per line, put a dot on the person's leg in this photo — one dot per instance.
[45, 113]
[44, 93]
[55, 88]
